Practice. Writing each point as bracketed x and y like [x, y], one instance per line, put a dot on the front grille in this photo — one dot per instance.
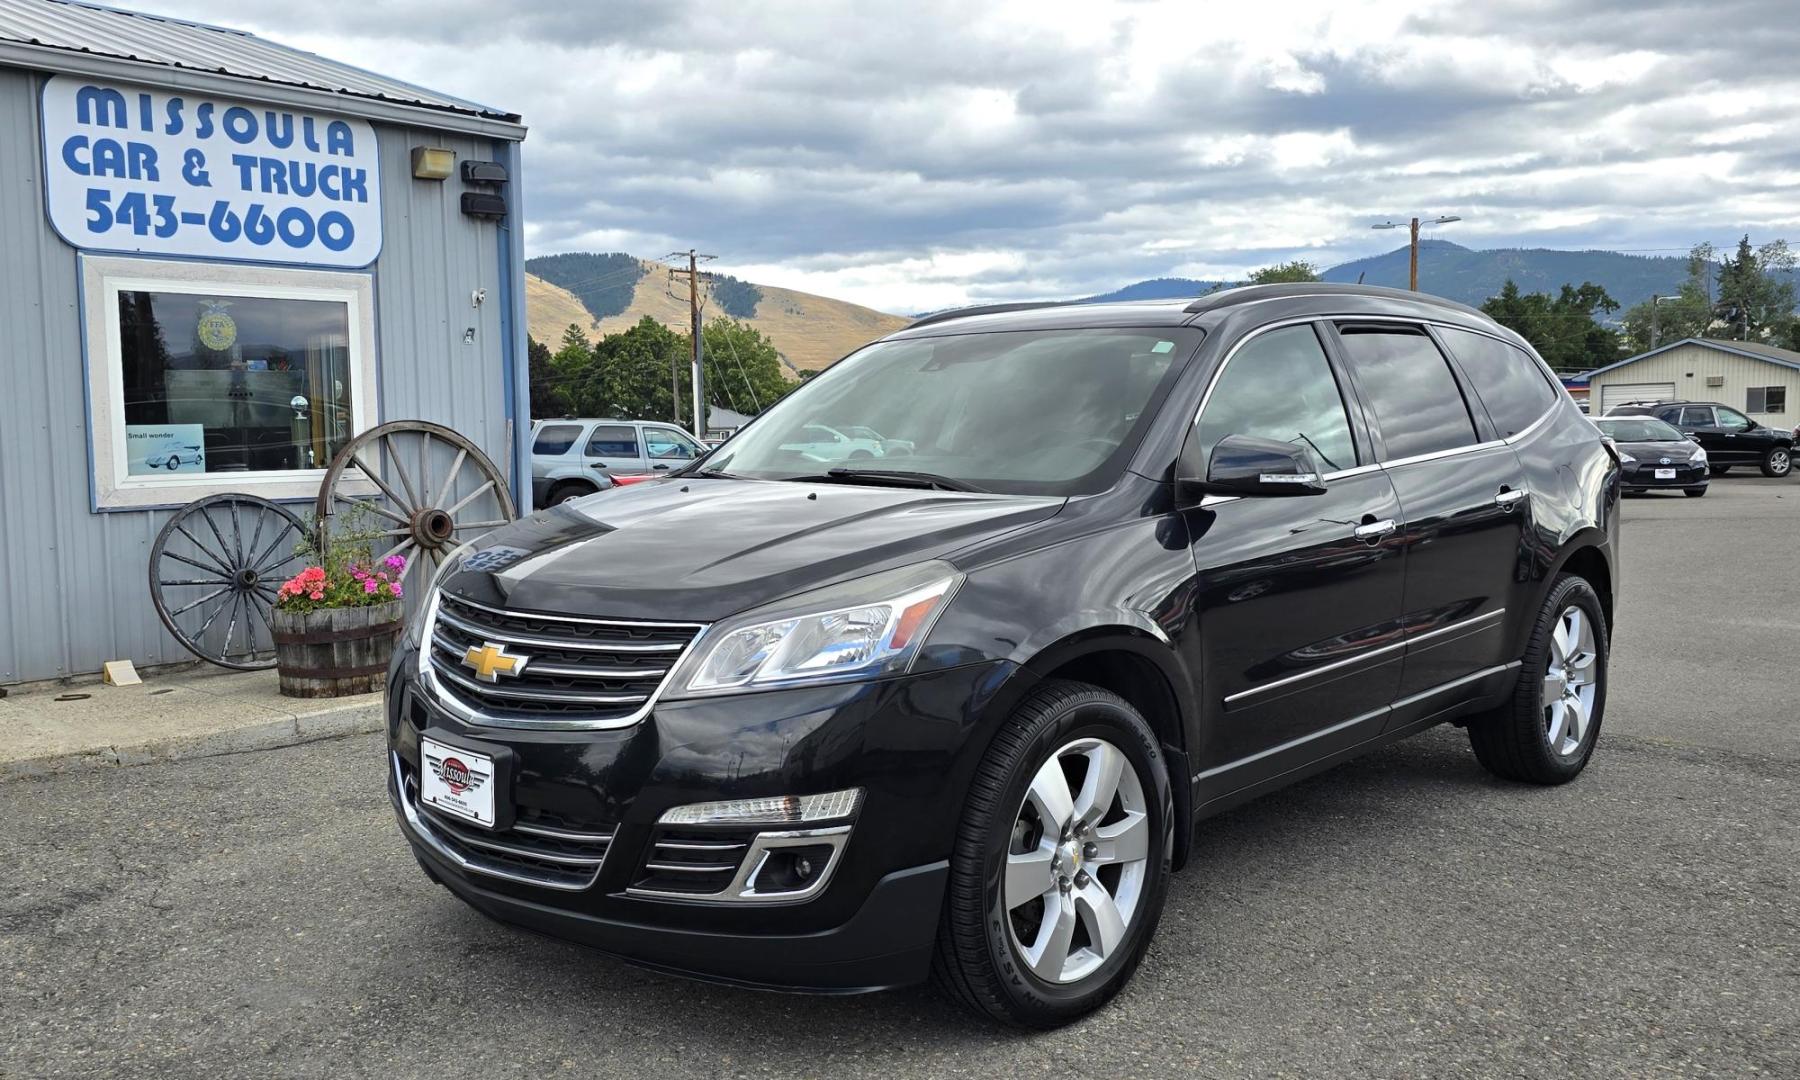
[693, 862]
[575, 671]
[534, 854]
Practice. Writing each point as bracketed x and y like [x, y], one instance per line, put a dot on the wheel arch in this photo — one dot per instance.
[1586, 555]
[1140, 666]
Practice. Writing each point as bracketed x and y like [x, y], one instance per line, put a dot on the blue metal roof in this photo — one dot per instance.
[70, 28]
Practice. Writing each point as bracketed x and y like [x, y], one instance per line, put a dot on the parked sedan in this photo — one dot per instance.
[1728, 436]
[1655, 455]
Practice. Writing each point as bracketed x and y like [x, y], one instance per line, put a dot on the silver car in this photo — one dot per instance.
[572, 458]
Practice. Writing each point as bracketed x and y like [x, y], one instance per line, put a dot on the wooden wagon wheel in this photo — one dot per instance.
[213, 574]
[429, 490]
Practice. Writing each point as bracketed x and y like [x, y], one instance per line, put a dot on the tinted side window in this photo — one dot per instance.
[1731, 419]
[553, 439]
[1669, 416]
[613, 440]
[1508, 382]
[1279, 386]
[1696, 416]
[1408, 384]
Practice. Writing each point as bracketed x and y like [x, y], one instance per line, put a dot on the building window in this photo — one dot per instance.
[1766, 399]
[210, 377]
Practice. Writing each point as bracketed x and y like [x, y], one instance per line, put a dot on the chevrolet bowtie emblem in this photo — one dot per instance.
[491, 661]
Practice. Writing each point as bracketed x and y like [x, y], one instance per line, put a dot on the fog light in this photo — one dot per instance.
[770, 810]
[791, 870]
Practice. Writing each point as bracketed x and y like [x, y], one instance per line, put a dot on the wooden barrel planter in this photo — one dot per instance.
[334, 652]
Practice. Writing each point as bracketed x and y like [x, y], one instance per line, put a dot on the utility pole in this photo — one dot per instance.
[1653, 327]
[697, 371]
[1412, 269]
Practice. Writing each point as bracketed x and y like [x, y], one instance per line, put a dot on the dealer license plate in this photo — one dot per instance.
[1665, 474]
[457, 782]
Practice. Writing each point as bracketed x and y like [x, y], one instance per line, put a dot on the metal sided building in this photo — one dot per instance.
[222, 259]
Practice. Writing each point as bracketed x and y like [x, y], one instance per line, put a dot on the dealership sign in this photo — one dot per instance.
[140, 170]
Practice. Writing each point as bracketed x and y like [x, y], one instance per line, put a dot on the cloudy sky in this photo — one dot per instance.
[916, 155]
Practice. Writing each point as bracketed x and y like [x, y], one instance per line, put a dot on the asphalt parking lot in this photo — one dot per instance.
[1400, 916]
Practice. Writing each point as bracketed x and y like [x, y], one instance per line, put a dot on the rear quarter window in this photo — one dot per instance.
[555, 439]
[1509, 383]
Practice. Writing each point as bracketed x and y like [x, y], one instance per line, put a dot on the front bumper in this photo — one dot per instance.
[909, 744]
[1642, 477]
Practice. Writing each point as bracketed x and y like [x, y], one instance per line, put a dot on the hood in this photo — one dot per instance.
[1652, 453]
[699, 550]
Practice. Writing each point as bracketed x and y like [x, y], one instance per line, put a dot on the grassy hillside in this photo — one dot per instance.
[809, 331]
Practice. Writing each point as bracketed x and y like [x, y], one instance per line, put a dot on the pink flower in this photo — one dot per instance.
[395, 590]
[395, 562]
[369, 586]
[316, 595]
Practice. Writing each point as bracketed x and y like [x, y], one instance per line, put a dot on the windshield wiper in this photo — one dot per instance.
[889, 477]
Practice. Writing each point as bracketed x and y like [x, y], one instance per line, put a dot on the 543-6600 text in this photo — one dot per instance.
[156, 214]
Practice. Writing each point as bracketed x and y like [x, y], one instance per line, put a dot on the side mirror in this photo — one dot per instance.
[1246, 465]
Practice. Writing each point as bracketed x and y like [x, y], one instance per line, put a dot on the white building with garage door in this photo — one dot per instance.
[1759, 380]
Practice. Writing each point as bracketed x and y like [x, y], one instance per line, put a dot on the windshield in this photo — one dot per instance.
[1640, 429]
[1042, 412]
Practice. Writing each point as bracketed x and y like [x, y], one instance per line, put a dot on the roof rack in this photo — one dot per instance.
[986, 309]
[1244, 294]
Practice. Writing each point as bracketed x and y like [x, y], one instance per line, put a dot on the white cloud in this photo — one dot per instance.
[919, 155]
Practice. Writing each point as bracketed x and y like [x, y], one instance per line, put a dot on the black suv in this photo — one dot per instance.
[790, 720]
[1728, 436]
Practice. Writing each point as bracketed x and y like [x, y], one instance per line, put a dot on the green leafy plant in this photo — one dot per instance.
[346, 574]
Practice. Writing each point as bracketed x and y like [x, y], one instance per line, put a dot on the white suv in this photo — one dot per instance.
[572, 458]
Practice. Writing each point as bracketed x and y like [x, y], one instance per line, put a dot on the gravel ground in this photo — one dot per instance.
[1401, 916]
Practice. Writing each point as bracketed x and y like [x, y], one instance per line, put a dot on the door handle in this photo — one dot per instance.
[659, 466]
[1506, 500]
[1375, 530]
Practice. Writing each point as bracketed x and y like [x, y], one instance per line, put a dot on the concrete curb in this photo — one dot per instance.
[363, 718]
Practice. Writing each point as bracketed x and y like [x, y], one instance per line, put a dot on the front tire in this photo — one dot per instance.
[1778, 462]
[1693, 493]
[1061, 863]
[1718, 470]
[1546, 734]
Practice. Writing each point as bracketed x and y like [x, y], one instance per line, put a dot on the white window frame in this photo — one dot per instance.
[103, 278]
[1765, 393]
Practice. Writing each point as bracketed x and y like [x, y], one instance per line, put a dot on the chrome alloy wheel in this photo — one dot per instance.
[1078, 861]
[1570, 682]
[1780, 461]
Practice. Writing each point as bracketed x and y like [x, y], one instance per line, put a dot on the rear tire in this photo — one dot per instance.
[1778, 462]
[1042, 959]
[1693, 493]
[1533, 738]
[562, 493]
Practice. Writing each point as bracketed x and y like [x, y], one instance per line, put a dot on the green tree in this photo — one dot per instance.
[1564, 328]
[1754, 305]
[1749, 296]
[743, 370]
[546, 395]
[633, 371]
[1295, 270]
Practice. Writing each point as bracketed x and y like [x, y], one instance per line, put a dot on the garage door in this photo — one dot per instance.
[1619, 393]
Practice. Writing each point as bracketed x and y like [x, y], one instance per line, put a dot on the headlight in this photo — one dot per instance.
[1699, 457]
[857, 630]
